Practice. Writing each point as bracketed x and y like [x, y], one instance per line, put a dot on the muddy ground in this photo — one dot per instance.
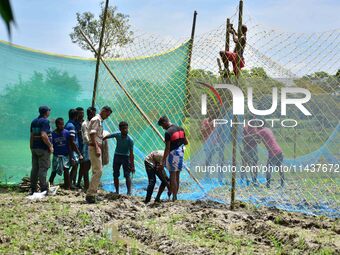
[64, 224]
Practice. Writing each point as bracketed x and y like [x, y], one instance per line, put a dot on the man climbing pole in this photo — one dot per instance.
[232, 56]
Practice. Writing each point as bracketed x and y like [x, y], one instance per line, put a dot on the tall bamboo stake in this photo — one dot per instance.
[235, 119]
[98, 54]
[227, 48]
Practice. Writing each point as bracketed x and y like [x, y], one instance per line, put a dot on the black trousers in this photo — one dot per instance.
[152, 173]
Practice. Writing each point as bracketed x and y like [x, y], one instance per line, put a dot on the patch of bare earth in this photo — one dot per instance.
[65, 224]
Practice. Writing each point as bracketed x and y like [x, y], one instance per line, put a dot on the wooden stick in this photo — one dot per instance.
[98, 54]
[138, 107]
[226, 48]
[219, 66]
[235, 119]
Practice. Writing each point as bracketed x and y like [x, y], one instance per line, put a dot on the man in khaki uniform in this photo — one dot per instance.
[95, 130]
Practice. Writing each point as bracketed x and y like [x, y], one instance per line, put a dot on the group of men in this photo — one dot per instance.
[80, 142]
[69, 144]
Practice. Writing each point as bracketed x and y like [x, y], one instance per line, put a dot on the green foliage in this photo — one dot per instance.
[277, 244]
[278, 220]
[320, 82]
[117, 30]
[21, 101]
[203, 75]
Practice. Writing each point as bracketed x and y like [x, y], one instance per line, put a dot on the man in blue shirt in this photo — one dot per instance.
[123, 156]
[41, 148]
[71, 127]
[62, 154]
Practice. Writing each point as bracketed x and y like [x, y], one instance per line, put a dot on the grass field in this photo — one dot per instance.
[64, 224]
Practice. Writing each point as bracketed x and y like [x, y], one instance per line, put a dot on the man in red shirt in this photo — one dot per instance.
[175, 140]
[232, 56]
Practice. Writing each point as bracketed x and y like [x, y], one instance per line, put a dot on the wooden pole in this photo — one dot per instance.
[227, 48]
[191, 45]
[235, 119]
[193, 29]
[98, 55]
[137, 106]
[239, 33]
[295, 143]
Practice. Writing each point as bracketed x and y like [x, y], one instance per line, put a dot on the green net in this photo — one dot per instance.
[154, 73]
[29, 79]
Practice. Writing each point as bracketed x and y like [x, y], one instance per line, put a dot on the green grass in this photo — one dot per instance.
[50, 226]
[205, 234]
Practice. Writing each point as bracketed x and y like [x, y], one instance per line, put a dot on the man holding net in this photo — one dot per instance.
[152, 162]
[249, 153]
[174, 152]
[240, 41]
[275, 155]
[123, 156]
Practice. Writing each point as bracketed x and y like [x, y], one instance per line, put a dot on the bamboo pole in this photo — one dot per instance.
[239, 33]
[227, 48]
[138, 107]
[193, 29]
[98, 54]
[235, 119]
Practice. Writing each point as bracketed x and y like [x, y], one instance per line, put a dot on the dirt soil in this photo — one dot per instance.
[65, 224]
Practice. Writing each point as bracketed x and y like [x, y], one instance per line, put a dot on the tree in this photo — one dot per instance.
[320, 82]
[337, 75]
[117, 30]
[20, 101]
[6, 14]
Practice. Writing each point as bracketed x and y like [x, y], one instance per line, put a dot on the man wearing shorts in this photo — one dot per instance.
[174, 152]
[123, 156]
[41, 148]
[152, 162]
[232, 56]
[62, 154]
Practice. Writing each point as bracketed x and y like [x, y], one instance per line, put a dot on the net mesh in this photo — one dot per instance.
[155, 73]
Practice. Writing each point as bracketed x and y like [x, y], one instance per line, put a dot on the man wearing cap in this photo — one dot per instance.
[95, 130]
[41, 149]
[173, 157]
